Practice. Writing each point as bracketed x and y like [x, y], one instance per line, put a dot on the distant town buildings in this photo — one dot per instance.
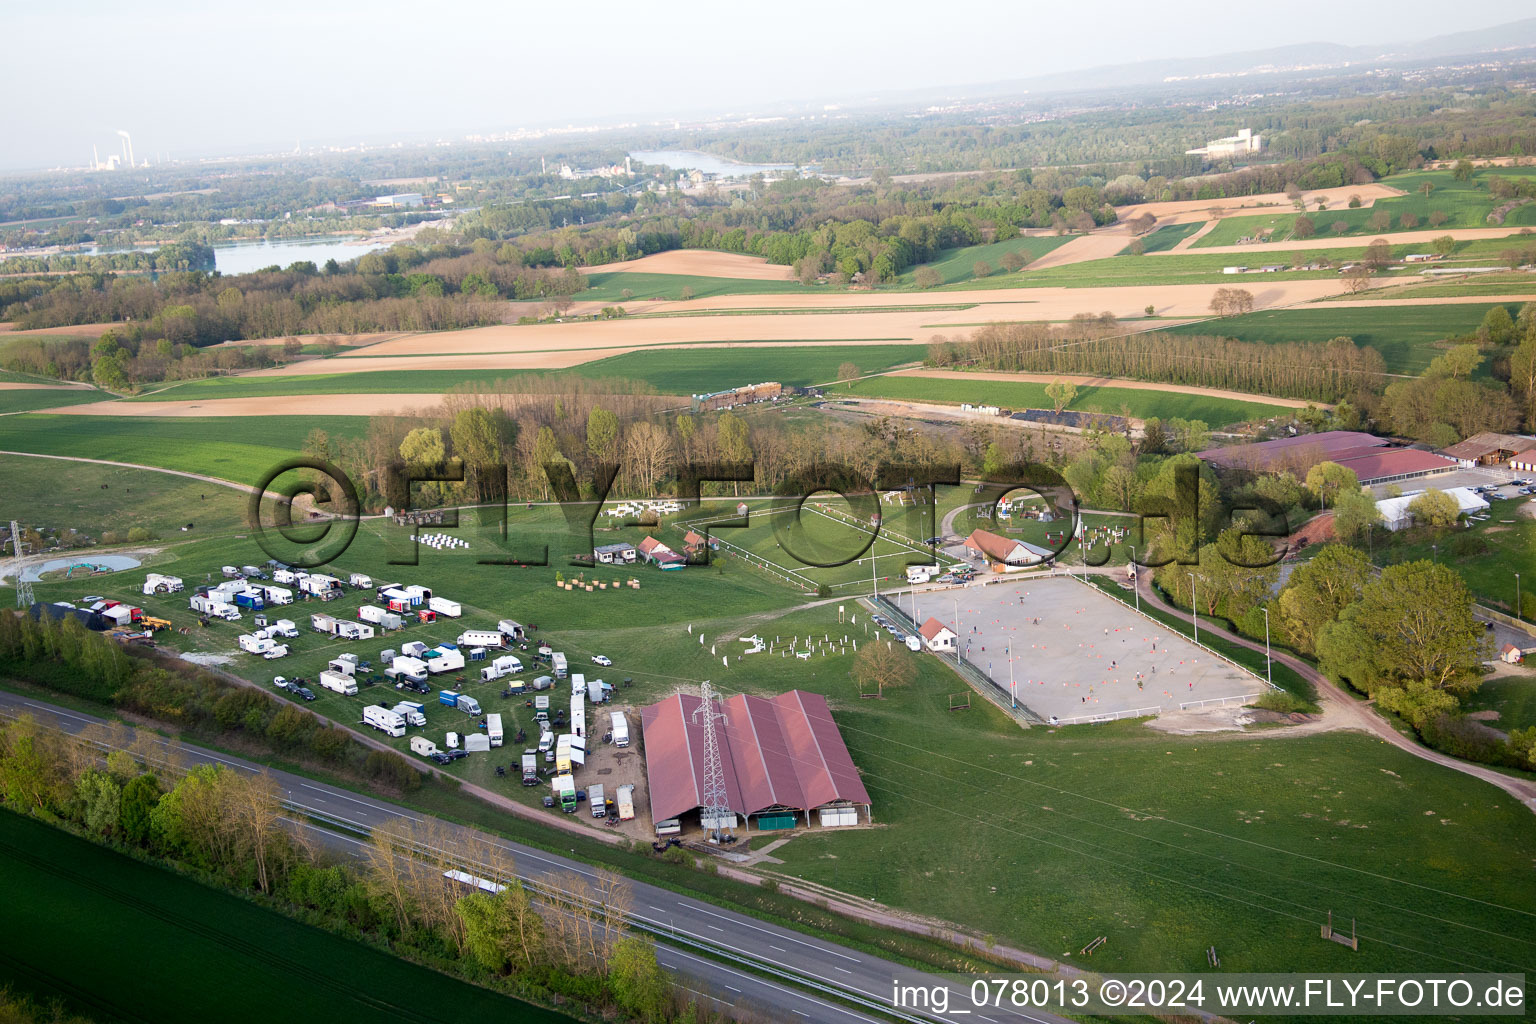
[1244, 143]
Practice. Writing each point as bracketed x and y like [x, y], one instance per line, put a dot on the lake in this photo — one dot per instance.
[244, 257]
[690, 160]
[34, 573]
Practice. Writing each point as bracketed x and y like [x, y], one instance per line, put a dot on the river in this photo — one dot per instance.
[246, 256]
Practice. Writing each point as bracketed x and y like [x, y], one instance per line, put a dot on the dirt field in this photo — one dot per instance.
[74, 331]
[1186, 211]
[8, 386]
[1097, 245]
[1107, 382]
[510, 347]
[700, 263]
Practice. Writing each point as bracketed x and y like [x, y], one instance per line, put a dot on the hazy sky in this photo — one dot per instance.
[197, 78]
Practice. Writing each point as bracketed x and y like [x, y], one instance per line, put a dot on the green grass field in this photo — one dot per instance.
[679, 371]
[1513, 697]
[1188, 267]
[28, 399]
[228, 448]
[1405, 337]
[610, 286]
[1465, 204]
[1170, 235]
[92, 498]
[958, 265]
[90, 923]
[1141, 403]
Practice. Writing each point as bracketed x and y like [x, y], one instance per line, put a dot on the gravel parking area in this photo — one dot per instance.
[1078, 652]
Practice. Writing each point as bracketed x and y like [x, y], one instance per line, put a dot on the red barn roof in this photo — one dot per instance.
[932, 628]
[782, 751]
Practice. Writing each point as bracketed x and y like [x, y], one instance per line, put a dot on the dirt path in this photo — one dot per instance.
[1205, 229]
[1188, 211]
[1349, 713]
[1096, 245]
[1106, 382]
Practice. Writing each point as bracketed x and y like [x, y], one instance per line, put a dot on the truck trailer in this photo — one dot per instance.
[384, 720]
[626, 802]
[493, 728]
[443, 606]
[342, 684]
[620, 729]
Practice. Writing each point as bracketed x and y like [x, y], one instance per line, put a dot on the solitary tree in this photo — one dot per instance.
[1061, 392]
[927, 277]
[880, 665]
[848, 373]
[981, 268]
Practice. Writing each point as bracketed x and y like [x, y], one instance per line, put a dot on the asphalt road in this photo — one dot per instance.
[838, 968]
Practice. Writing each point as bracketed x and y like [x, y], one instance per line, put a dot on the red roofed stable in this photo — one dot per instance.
[938, 636]
[783, 757]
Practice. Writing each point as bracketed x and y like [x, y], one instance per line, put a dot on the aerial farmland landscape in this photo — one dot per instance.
[808, 526]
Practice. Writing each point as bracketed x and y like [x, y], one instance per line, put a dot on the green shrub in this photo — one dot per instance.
[1285, 703]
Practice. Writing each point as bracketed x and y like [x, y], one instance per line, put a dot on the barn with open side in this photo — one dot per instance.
[785, 762]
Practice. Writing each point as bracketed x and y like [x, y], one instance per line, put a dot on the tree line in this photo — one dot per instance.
[1095, 346]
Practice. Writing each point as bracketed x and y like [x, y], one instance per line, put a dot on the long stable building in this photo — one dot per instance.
[1375, 460]
[783, 757]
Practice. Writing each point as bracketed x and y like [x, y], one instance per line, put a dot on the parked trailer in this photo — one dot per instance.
[530, 768]
[620, 729]
[443, 606]
[493, 728]
[596, 798]
[341, 683]
[342, 665]
[511, 629]
[444, 659]
[557, 662]
[626, 802]
[322, 623]
[479, 637]
[360, 581]
[353, 630]
[384, 720]
[423, 746]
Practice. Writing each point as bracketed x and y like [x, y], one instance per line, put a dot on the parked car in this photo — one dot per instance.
[303, 691]
[281, 683]
[602, 659]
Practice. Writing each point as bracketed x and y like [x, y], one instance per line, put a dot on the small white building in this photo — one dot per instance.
[937, 636]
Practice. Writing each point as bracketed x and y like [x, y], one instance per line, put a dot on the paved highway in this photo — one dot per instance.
[722, 933]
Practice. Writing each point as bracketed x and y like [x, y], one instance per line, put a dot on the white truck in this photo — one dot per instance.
[504, 666]
[598, 801]
[413, 713]
[922, 573]
[348, 630]
[411, 668]
[158, 583]
[361, 581]
[284, 628]
[620, 729]
[626, 802]
[423, 746]
[493, 728]
[275, 651]
[443, 606]
[530, 768]
[372, 613]
[479, 637]
[252, 644]
[557, 663]
[277, 595]
[342, 684]
[511, 629]
[384, 720]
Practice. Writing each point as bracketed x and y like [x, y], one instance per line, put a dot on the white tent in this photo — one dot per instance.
[1395, 514]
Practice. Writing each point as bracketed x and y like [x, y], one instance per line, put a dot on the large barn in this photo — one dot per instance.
[783, 756]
